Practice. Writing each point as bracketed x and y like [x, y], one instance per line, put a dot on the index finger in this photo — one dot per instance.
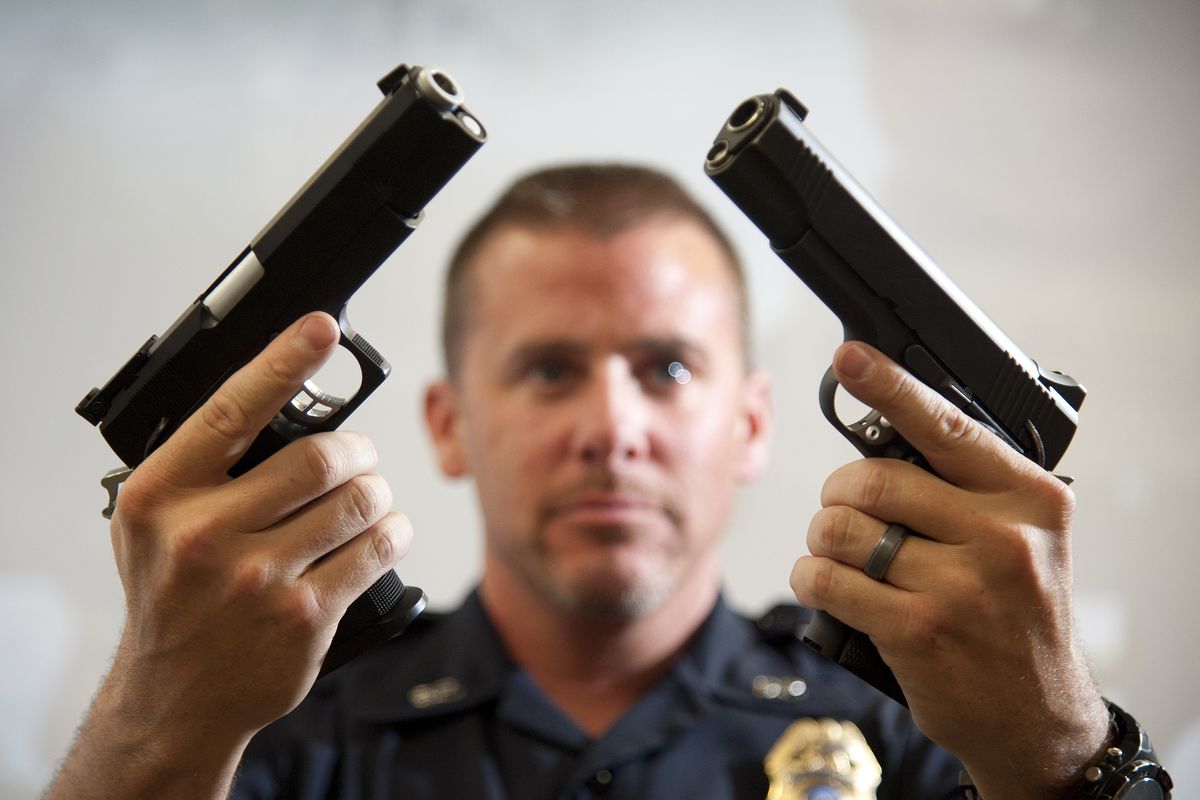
[212, 439]
[958, 448]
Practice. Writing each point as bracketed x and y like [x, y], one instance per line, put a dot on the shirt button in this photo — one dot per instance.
[603, 777]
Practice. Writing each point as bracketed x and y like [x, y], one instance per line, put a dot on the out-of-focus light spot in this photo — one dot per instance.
[679, 372]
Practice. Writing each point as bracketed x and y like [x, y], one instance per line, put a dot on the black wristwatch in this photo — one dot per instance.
[1129, 770]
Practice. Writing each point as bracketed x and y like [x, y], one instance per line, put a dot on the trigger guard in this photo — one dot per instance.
[315, 409]
[870, 435]
[312, 405]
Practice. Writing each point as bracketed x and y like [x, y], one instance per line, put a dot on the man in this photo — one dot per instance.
[600, 393]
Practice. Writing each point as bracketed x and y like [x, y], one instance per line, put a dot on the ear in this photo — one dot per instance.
[442, 422]
[756, 426]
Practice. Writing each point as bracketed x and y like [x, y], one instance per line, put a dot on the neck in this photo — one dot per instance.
[595, 669]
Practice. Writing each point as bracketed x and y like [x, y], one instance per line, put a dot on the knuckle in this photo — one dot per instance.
[324, 460]
[303, 609]
[137, 496]
[225, 415]
[954, 429]
[390, 539]
[193, 549]
[926, 625]
[365, 500]
[384, 547]
[252, 578]
[1016, 558]
[830, 532]
[905, 390]
[201, 540]
[332, 456]
[279, 370]
[1057, 500]
[820, 584]
[874, 485]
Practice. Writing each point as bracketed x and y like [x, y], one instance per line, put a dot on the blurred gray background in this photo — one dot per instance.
[1042, 151]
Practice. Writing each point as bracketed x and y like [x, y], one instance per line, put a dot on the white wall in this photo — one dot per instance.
[1040, 150]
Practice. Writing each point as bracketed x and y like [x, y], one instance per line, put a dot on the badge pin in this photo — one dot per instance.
[772, 687]
[436, 693]
[822, 759]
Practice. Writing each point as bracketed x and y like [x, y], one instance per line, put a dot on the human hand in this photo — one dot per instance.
[234, 587]
[975, 619]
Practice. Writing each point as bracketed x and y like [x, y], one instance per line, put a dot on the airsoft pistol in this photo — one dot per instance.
[889, 294]
[318, 250]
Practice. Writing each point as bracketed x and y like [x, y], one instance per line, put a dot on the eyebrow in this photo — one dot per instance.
[572, 349]
[515, 363]
[672, 346]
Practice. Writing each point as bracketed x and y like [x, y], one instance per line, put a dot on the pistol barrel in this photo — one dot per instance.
[883, 287]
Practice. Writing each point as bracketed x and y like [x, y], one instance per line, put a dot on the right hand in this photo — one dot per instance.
[234, 587]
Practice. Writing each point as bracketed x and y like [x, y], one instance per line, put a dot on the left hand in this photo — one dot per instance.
[975, 620]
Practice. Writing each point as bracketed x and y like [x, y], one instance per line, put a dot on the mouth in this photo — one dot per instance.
[607, 509]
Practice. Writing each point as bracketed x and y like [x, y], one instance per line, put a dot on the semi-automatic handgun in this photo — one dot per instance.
[318, 250]
[889, 294]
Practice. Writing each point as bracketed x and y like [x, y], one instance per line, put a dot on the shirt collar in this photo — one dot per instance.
[450, 663]
[445, 663]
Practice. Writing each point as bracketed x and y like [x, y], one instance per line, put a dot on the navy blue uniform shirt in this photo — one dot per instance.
[442, 712]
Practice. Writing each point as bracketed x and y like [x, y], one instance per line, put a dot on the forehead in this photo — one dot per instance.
[659, 278]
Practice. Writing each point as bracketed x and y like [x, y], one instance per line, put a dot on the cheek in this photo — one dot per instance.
[705, 453]
[508, 457]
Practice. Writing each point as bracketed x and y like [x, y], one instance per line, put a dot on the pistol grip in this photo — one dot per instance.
[854, 651]
[376, 616]
[388, 606]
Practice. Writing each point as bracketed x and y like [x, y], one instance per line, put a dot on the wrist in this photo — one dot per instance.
[164, 728]
[1045, 759]
[130, 747]
[1125, 769]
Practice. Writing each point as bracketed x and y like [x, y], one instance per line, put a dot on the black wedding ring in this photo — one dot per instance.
[885, 551]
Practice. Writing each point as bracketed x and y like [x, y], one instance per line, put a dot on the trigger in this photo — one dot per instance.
[312, 403]
[874, 429]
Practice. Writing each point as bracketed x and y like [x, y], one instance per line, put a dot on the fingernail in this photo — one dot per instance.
[317, 333]
[855, 362]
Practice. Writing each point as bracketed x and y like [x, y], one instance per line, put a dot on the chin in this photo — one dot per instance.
[606, 596]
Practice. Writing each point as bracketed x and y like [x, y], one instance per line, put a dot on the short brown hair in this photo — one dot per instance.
[600, 199]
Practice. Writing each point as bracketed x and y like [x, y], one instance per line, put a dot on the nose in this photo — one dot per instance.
[613, 425]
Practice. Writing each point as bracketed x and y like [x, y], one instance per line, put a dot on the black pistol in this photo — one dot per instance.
[889, 294]
[317, 251]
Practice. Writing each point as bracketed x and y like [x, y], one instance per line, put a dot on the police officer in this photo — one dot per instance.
[600, 393]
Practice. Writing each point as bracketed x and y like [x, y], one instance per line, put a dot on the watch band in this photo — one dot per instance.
[1129, 769]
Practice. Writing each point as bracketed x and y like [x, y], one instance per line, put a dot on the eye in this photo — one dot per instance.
[679, 373]
[551, 376]
[548, 371]
[666, 374]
